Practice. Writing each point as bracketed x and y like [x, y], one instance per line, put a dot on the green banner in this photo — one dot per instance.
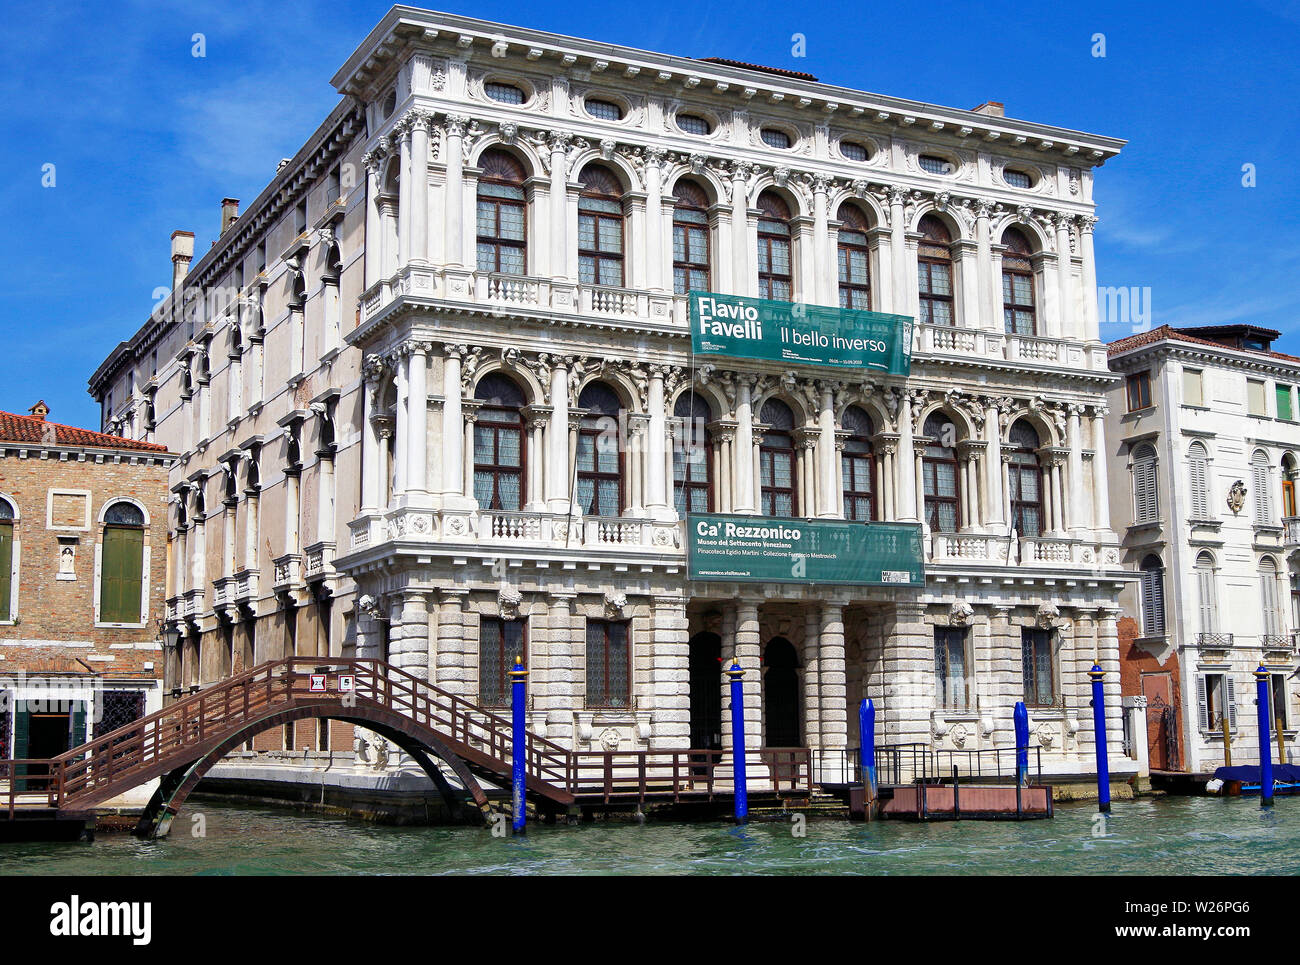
[798, 334]
[763, 549]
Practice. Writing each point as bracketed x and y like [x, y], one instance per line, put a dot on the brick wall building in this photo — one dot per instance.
[83, 564]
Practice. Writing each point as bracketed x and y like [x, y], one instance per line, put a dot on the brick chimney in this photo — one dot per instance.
[992, 109]
[40, 410]
[229, 212]
[182, 254]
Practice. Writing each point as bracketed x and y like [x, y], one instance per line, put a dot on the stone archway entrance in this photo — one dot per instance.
[781, 703]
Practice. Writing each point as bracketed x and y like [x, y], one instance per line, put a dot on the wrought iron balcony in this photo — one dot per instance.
[1214, 641]
[1290, 531]
[1276, 642]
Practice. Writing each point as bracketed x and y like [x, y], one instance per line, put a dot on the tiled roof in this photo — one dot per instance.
[26, 428]
[781, 71]
[1168, 332]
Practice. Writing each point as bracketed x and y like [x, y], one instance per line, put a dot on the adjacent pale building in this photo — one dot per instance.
[1206, 442]
[443, 409]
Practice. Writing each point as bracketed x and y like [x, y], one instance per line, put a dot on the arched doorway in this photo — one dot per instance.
[781, 694]
[706, 691]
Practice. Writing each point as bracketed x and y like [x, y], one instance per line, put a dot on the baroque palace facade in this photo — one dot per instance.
[444, 409]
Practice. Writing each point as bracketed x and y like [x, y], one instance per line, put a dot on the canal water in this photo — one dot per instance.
[1178, 836]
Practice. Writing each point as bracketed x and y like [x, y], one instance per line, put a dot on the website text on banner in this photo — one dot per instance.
[791, 332]
[763, 549]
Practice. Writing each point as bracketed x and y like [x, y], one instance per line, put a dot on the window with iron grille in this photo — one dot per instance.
[609, 664]
[119, 708]
[854, 152]
[4, 729]
[499, 643]
[1017, 179]
[774, 138]
[505, 93]
[950, 666]
[933, 164]
[1036, 667]
[604, 110]
[694, 124]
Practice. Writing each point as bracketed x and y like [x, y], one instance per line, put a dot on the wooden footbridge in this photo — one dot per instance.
[179, 744]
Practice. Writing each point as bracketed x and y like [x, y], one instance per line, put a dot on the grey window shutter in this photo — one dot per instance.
[1232, 703]
[1202, 708]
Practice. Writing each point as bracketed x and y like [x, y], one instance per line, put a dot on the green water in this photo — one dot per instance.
[1180, 836]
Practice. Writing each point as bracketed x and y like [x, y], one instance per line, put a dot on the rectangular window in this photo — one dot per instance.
[1255, 397]
[950, 666]
[1036, 666]
[1193, 387]
[1139, 391]
[609, 664]
[1215, 697]
[499, 643]
[1284, 402]
[121, 575]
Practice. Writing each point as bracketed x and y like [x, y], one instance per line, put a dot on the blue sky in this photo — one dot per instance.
[146, 138]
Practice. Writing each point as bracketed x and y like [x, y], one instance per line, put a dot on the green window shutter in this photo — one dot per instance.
[22, 727]
[121, 575]
[1284, 402]
[78, 735]
[6, 565]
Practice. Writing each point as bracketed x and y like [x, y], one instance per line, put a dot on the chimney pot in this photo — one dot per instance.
[229, 212]
[40, 410]
[182, 253]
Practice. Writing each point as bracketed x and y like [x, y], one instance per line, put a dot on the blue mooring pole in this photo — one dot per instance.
[1265, 742]
[1021, 721]
[1099, 733]
[738, 743]
[518, 744]
[867, 738]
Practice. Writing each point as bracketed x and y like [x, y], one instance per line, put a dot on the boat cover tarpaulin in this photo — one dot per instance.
[1249, 773]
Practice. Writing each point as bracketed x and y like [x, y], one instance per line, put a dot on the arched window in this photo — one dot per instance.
[1146, 502]
[121, 567]
[1152, 590]
[502, 215]
[1198, 480]
[854, 258]
[1018, 313]
[857, 466]
[1260, 473]
[6, 562]
[690, 238]
[1206, 597]
[600, 463]
[1268, 598]
[692, 483]
[1024, 479]
[776, 460]
[600, 228]
[499, 444]
[775, 267]
[934, 273]
[939, 472]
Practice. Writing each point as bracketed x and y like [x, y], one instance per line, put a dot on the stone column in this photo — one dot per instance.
[535, 420]
[906, 489]
[412, 655]
[824, 263]
[453, 429]
[740, 172]
[470, 408]
[417, 405]
[562, 692]
[909, 678]
[831, 487]
[419, 183]
[1067, 328]
[1078, 513]
[995, 517]
[743, 479]
[454, 208]
[671, 674]
[558, 467]
[728, 631]
[450, 664]
[401, 431]
[831, 678]
[748, 655]
[405, 192]
[1091, 327]
[900, 300]
[373, 163]
[558, 142]
[655, 262]
[371, 467]
[1100, 460]
[812, 707]
[989, 296]
[657, 501]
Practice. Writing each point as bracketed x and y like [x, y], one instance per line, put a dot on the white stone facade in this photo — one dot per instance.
[382, 521]
[1205, 458]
